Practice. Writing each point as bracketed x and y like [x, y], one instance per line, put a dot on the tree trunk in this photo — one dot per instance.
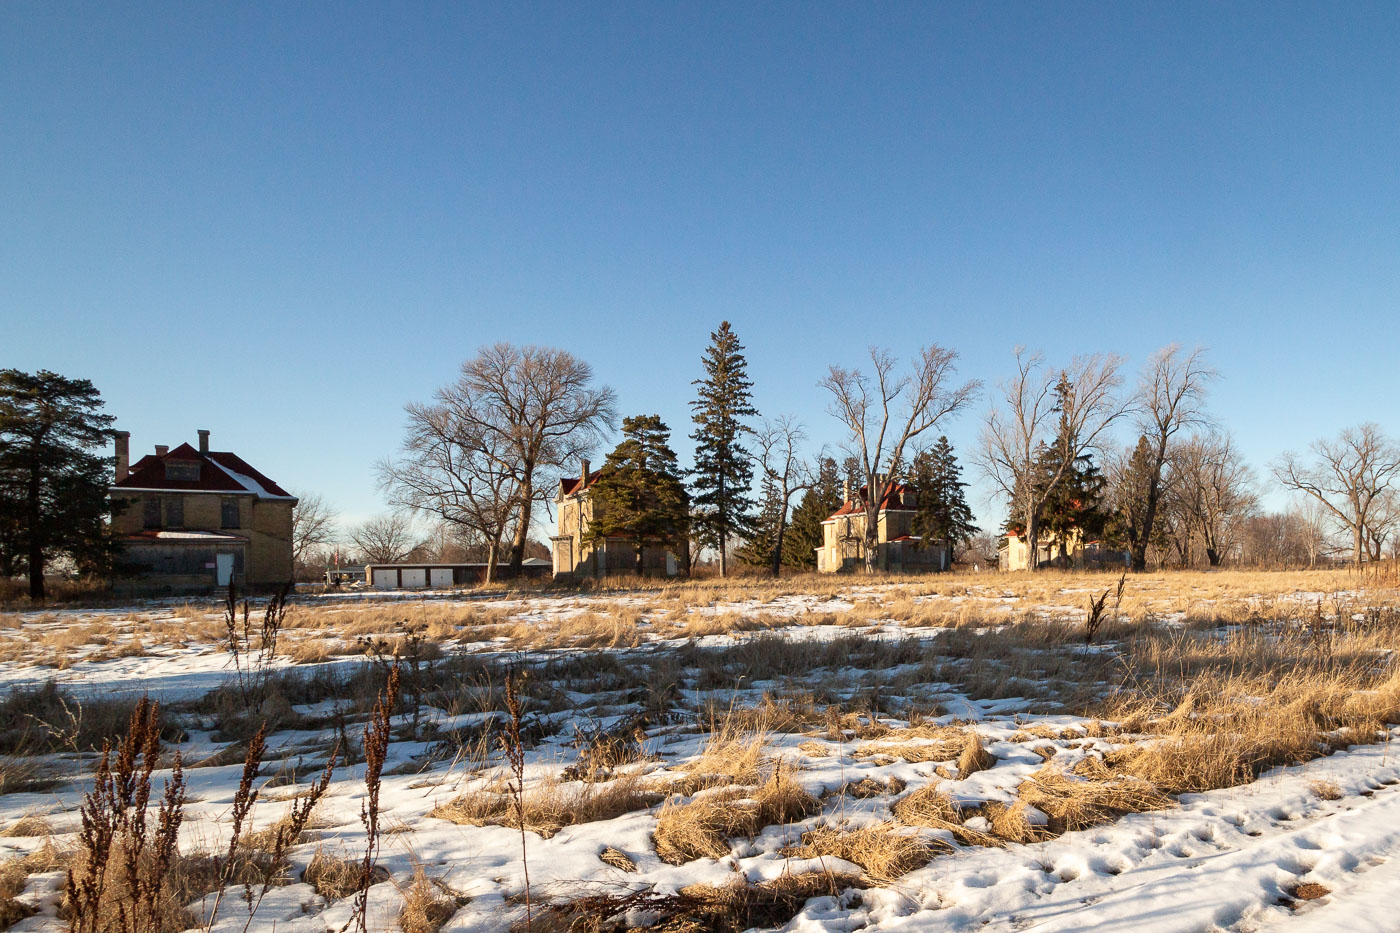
[36, 535]
[723, 542]
[1033, 540]
[778, 547]
[640, 548]
[491, 550]
[1358, 553]
[522, 531]
[1212, 557]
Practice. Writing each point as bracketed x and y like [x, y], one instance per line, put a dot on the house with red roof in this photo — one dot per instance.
[193, 519]
[575, 556]
[900, 550]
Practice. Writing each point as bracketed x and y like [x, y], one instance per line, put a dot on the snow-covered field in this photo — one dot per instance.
[833, 756]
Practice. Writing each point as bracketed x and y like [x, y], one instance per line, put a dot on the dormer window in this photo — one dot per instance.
[182, 470]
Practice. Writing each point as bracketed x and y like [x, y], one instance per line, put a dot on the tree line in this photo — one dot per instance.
[481, 461]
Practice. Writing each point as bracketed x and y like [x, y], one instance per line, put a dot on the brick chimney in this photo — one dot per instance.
[123, 441]
[162, 450]
[203, 440]
[583, 475]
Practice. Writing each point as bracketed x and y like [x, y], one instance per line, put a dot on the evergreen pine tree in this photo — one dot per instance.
[638, 495]
[757, 549]
[804, 533]
[943, 513]
[53, 489]
[723, 470]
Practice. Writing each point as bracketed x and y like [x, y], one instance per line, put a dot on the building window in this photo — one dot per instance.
[152, 517]
[230, 513]
[175, 512]
[184, 470]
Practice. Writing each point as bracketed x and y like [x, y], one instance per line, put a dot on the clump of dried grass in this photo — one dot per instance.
[928, 806]
[698, 908]
[28, 826]
[947, 744]
[883, 850]
[1094, 796]
[618, 859]
[703, 827]
[549, 805]
[975, 756]
[427, 903]
[334, 877]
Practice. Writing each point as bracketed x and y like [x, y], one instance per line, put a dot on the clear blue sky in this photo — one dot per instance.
[284, 221]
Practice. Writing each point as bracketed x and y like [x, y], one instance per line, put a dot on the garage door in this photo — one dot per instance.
[414, 579]
[386, 579]
[440, 577]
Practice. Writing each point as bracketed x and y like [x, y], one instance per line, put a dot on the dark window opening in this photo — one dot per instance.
[152, 517]
[230, 513]
[184, 470]
[175, 512]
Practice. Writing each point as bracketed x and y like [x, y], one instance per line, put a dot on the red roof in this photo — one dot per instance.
[894, 493]
[220, 471]
[571, 484]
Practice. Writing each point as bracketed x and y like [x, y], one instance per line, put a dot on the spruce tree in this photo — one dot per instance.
[53, 488]
[757, 549]
[638, 495]
[723, 470]
[804, 533]
[943, 513]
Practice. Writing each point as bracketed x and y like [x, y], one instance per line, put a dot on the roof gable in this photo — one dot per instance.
[220, 471]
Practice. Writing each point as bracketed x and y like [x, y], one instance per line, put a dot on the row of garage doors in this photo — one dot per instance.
[412, 578]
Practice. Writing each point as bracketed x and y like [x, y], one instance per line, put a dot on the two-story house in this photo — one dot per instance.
[575, 556]
[899, 549]
[191, 520]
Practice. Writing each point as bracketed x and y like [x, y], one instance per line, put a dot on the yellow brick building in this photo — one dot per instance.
[193, 520]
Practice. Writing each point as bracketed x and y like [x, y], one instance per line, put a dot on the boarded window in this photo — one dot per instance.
[230, 513]
[152, 516]
[175, 512]
[183, 470]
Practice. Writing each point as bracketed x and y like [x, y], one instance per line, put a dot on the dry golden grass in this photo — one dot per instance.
[1078, 801]
[427, 903]
[32, 825]
[1325, 790]
[698, 908]
[702, 828]
[930, 807]
[549, 805]
[617, 859]
[975, 756]
[883, 851]
[334, 877]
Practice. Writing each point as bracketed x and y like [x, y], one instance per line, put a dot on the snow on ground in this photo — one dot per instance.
[1230, 859]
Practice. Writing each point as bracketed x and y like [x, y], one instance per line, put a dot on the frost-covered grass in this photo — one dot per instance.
[935, 754]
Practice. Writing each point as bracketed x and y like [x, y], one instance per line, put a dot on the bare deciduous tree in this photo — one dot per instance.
[885, 410]
[1014, 435]
[313, 524]
[384, 539]
[779, 447]
[458, 473]
[529, 409]
[1349, 476]
[1170, 398]
[1215, 487]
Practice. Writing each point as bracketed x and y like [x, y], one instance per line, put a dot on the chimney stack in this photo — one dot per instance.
[162, 450]
[203, 441]
[846, 490]
[123, 439]
[583, 477]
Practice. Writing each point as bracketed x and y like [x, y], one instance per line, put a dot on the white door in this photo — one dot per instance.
[386, 579]
[414, 579]
[223, 564]
[439, 577]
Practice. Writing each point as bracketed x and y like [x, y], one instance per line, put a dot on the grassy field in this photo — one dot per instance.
[959, 752]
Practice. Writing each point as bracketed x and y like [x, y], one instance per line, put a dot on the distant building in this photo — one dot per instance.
[574, 556]
[192, 520]
[411, 576]
[900, 551]
[1013, 553]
